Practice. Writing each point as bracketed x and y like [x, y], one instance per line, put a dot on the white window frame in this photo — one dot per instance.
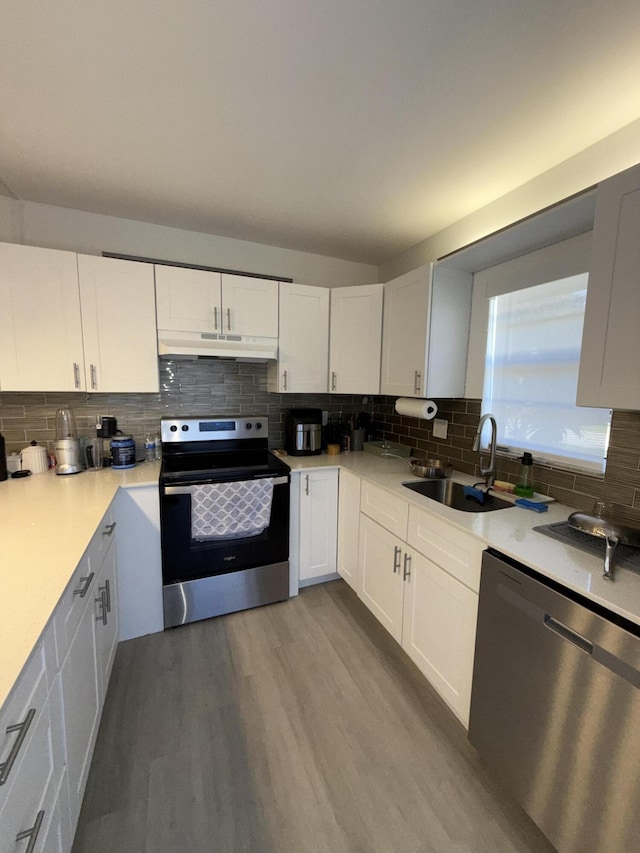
[560, 260]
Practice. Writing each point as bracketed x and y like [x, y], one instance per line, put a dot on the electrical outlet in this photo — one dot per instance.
[440, 428]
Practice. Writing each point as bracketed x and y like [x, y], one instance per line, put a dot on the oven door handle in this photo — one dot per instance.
[188, 490]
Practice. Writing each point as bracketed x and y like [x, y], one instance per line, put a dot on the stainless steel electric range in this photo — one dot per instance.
[224, 518]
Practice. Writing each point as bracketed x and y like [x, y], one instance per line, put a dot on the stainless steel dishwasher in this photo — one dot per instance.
[555, 708]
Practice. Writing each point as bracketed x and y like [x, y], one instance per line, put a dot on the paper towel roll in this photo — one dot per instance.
[416, 408]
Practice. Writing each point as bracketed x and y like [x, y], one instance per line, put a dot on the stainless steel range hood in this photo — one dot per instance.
[193, 345]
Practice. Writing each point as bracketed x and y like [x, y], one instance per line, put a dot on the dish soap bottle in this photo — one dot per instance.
[524, 488]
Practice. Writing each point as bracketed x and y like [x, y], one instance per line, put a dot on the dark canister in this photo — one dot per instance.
[3, 460]
[123, 451]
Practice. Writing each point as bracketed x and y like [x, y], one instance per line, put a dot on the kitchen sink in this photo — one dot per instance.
[452, 494]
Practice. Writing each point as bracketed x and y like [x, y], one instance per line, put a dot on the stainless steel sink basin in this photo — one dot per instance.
[452, 494]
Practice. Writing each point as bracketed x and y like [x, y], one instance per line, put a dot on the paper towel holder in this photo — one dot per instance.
[416, 407]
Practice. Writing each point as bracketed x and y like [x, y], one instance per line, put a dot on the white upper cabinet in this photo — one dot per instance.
[118, 324]
[355, 339]
[303, 345]
[188, 300]
[202, 301]
[425, 333]
[249, 306]
[609, 376]
[40, 325]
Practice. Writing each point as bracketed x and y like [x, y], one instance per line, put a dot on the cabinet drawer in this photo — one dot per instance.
[453, 550]
[101, 540]
[33, 790]
[20, 717]
[388, 510]
[79, 592]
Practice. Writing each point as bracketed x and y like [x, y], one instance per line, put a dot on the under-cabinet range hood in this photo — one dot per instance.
[192, 345]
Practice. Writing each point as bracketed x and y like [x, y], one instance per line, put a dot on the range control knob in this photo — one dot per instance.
[173, 428]
[185, 427]
[249, 424]
[258, 425]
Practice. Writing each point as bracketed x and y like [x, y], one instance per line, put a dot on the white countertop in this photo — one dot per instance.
[46, 524]
[509, 531]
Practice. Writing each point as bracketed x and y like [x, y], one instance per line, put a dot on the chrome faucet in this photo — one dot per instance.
[488, 473]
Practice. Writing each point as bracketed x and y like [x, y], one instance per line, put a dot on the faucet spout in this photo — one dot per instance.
[489, 472]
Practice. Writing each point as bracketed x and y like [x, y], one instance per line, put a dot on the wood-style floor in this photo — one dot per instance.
[295, 728]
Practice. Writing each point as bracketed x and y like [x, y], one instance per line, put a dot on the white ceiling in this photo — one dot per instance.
[350, 128]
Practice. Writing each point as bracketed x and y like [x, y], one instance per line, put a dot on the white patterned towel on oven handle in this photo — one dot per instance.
[231, 510]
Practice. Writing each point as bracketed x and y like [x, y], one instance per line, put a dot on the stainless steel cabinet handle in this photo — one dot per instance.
[76, 374]
[307, 486]
[416, 382]
[229, 319]
[284, 380]
[333, 380]
[396, 559]
[22, 729]
[102, 616]
[215, 318]
[94, 376]
[407, 567]
[106, 589]
[31, 834]
[86, 583]
[109, 528]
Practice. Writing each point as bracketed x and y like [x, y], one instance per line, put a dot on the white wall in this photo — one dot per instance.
[60, 228]
[614, 154]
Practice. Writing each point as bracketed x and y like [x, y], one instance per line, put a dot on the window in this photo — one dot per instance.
[531, 374]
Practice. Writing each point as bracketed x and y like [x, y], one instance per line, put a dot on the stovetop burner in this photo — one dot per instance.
[562, 531]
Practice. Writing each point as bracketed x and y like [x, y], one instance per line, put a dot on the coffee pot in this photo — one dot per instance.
[66, 444]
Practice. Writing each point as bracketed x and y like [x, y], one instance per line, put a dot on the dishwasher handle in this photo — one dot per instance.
[567, 634]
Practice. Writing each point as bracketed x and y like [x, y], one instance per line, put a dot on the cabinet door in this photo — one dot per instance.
[118, 324]
[303, 344]
[250, 306]
[610, 355]
[40, 326]
[318, 524]
[81, 704]
[348, 526]
[405, 330]
[188, 300]
[106, 619]
[381, 586]
[355, 339]
[439, 629]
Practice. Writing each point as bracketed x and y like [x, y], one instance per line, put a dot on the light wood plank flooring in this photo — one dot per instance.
[291, 728]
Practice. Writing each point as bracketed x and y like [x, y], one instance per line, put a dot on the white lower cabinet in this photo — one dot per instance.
[439, 630]
[87, 664]
[314, 527]
[420, 577]
[33, 808]
[348, 526]
[381, 586]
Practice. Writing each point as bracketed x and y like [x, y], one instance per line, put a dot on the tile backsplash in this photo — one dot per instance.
[620, 487]
[218, 387]
[204, 387]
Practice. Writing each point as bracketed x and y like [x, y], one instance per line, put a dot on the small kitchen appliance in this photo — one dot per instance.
[303, 432]
[66, 445]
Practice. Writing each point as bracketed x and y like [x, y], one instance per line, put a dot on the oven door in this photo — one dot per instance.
[187, 559]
